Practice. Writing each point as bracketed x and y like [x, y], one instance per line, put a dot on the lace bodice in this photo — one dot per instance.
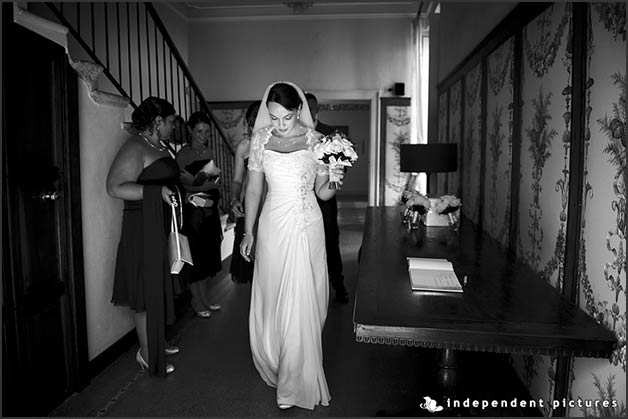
[290, 176]
[294, 163]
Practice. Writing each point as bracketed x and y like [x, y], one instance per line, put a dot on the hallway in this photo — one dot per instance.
[215, 375]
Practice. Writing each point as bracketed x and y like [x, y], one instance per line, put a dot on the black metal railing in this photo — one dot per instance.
[140, 59]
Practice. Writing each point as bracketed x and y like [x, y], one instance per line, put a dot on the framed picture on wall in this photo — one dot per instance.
[230, 117]
[394, 131]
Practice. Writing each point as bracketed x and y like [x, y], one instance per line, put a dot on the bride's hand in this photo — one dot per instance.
[246, 246]
[336, 173]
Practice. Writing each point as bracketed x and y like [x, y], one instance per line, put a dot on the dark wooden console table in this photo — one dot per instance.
[505, 306]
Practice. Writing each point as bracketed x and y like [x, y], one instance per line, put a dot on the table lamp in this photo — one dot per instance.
[428, 158]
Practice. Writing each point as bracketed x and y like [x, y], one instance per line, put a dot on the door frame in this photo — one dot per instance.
[67, 132]
[373, 96]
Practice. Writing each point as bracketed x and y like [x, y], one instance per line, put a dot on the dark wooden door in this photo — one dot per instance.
[44, 342]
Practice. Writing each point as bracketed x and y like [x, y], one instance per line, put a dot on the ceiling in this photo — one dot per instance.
[240, 9]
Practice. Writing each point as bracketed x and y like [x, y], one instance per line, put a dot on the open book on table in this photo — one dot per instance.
[428, 274]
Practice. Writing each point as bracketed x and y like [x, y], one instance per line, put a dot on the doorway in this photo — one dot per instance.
[43, 301]
[352, 118]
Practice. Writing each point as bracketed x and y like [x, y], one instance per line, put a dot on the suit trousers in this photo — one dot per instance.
[329, 209]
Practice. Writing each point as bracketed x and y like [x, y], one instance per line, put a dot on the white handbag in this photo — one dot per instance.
[178, 246]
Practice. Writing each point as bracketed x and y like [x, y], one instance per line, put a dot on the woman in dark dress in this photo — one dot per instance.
[145, 176]
[201, 217]
[241, 270]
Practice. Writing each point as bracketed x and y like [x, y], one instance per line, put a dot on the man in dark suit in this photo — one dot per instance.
[330, 219]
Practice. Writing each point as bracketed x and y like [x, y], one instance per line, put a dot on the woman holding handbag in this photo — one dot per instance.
[201, 217]
[145, 176]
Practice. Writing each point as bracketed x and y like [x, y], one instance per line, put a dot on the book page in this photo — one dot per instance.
[429, 263]
[433, 274]
[446, 280]
[427, 279]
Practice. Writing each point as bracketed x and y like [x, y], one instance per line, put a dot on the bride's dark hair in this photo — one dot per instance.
[284, 94]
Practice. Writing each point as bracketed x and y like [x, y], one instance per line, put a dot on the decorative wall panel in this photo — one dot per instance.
[602, 275]
[454, 135]
[498, 154]
[231, 120]
[395, 131]
[545, 143]
[443, 133]
[596, 387]
[472, 144]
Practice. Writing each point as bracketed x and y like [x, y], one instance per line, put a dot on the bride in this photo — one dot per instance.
[290, 286]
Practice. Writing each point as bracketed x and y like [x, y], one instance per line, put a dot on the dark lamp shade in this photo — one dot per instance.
[428, 158]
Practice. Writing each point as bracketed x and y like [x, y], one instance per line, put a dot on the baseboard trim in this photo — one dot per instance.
[113, 352]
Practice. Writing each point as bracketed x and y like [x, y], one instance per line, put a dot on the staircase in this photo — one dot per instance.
[139, 59]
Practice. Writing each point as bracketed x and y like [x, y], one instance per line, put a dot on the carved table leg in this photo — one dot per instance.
[447, 379]
[447, 371]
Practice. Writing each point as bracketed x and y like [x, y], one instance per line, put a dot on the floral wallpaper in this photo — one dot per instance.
[496, 211]
[231, 122]
[472, 146]
[442, 117]
[443, 131]
[602, 275]
[397, 133]
[546, 135]
[455, 115]
[544, 181]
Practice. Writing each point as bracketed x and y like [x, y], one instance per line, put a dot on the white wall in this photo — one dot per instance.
[100, 138]
[237, 60]
[176, 25]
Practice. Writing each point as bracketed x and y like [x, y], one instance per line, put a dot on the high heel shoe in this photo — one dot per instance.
[172, 350]
[140, 360]
[204, 314]
[285, 406]
[144, 364]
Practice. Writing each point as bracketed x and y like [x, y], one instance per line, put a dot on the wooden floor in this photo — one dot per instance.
[215, 375]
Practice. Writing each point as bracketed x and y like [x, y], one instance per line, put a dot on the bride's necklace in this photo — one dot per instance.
[151, 144]
[289, 140]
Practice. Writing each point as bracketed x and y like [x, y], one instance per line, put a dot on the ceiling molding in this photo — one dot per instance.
[356, 16]
[180, 9]
[234, 10]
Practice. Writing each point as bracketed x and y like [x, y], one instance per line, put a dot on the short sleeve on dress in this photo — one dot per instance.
[256, 152]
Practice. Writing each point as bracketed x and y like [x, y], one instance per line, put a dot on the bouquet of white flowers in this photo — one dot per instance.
[416, 205]
[335, 150]
[415, 201]
[447, 204]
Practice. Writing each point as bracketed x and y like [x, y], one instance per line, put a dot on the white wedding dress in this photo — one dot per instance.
[290, 284]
